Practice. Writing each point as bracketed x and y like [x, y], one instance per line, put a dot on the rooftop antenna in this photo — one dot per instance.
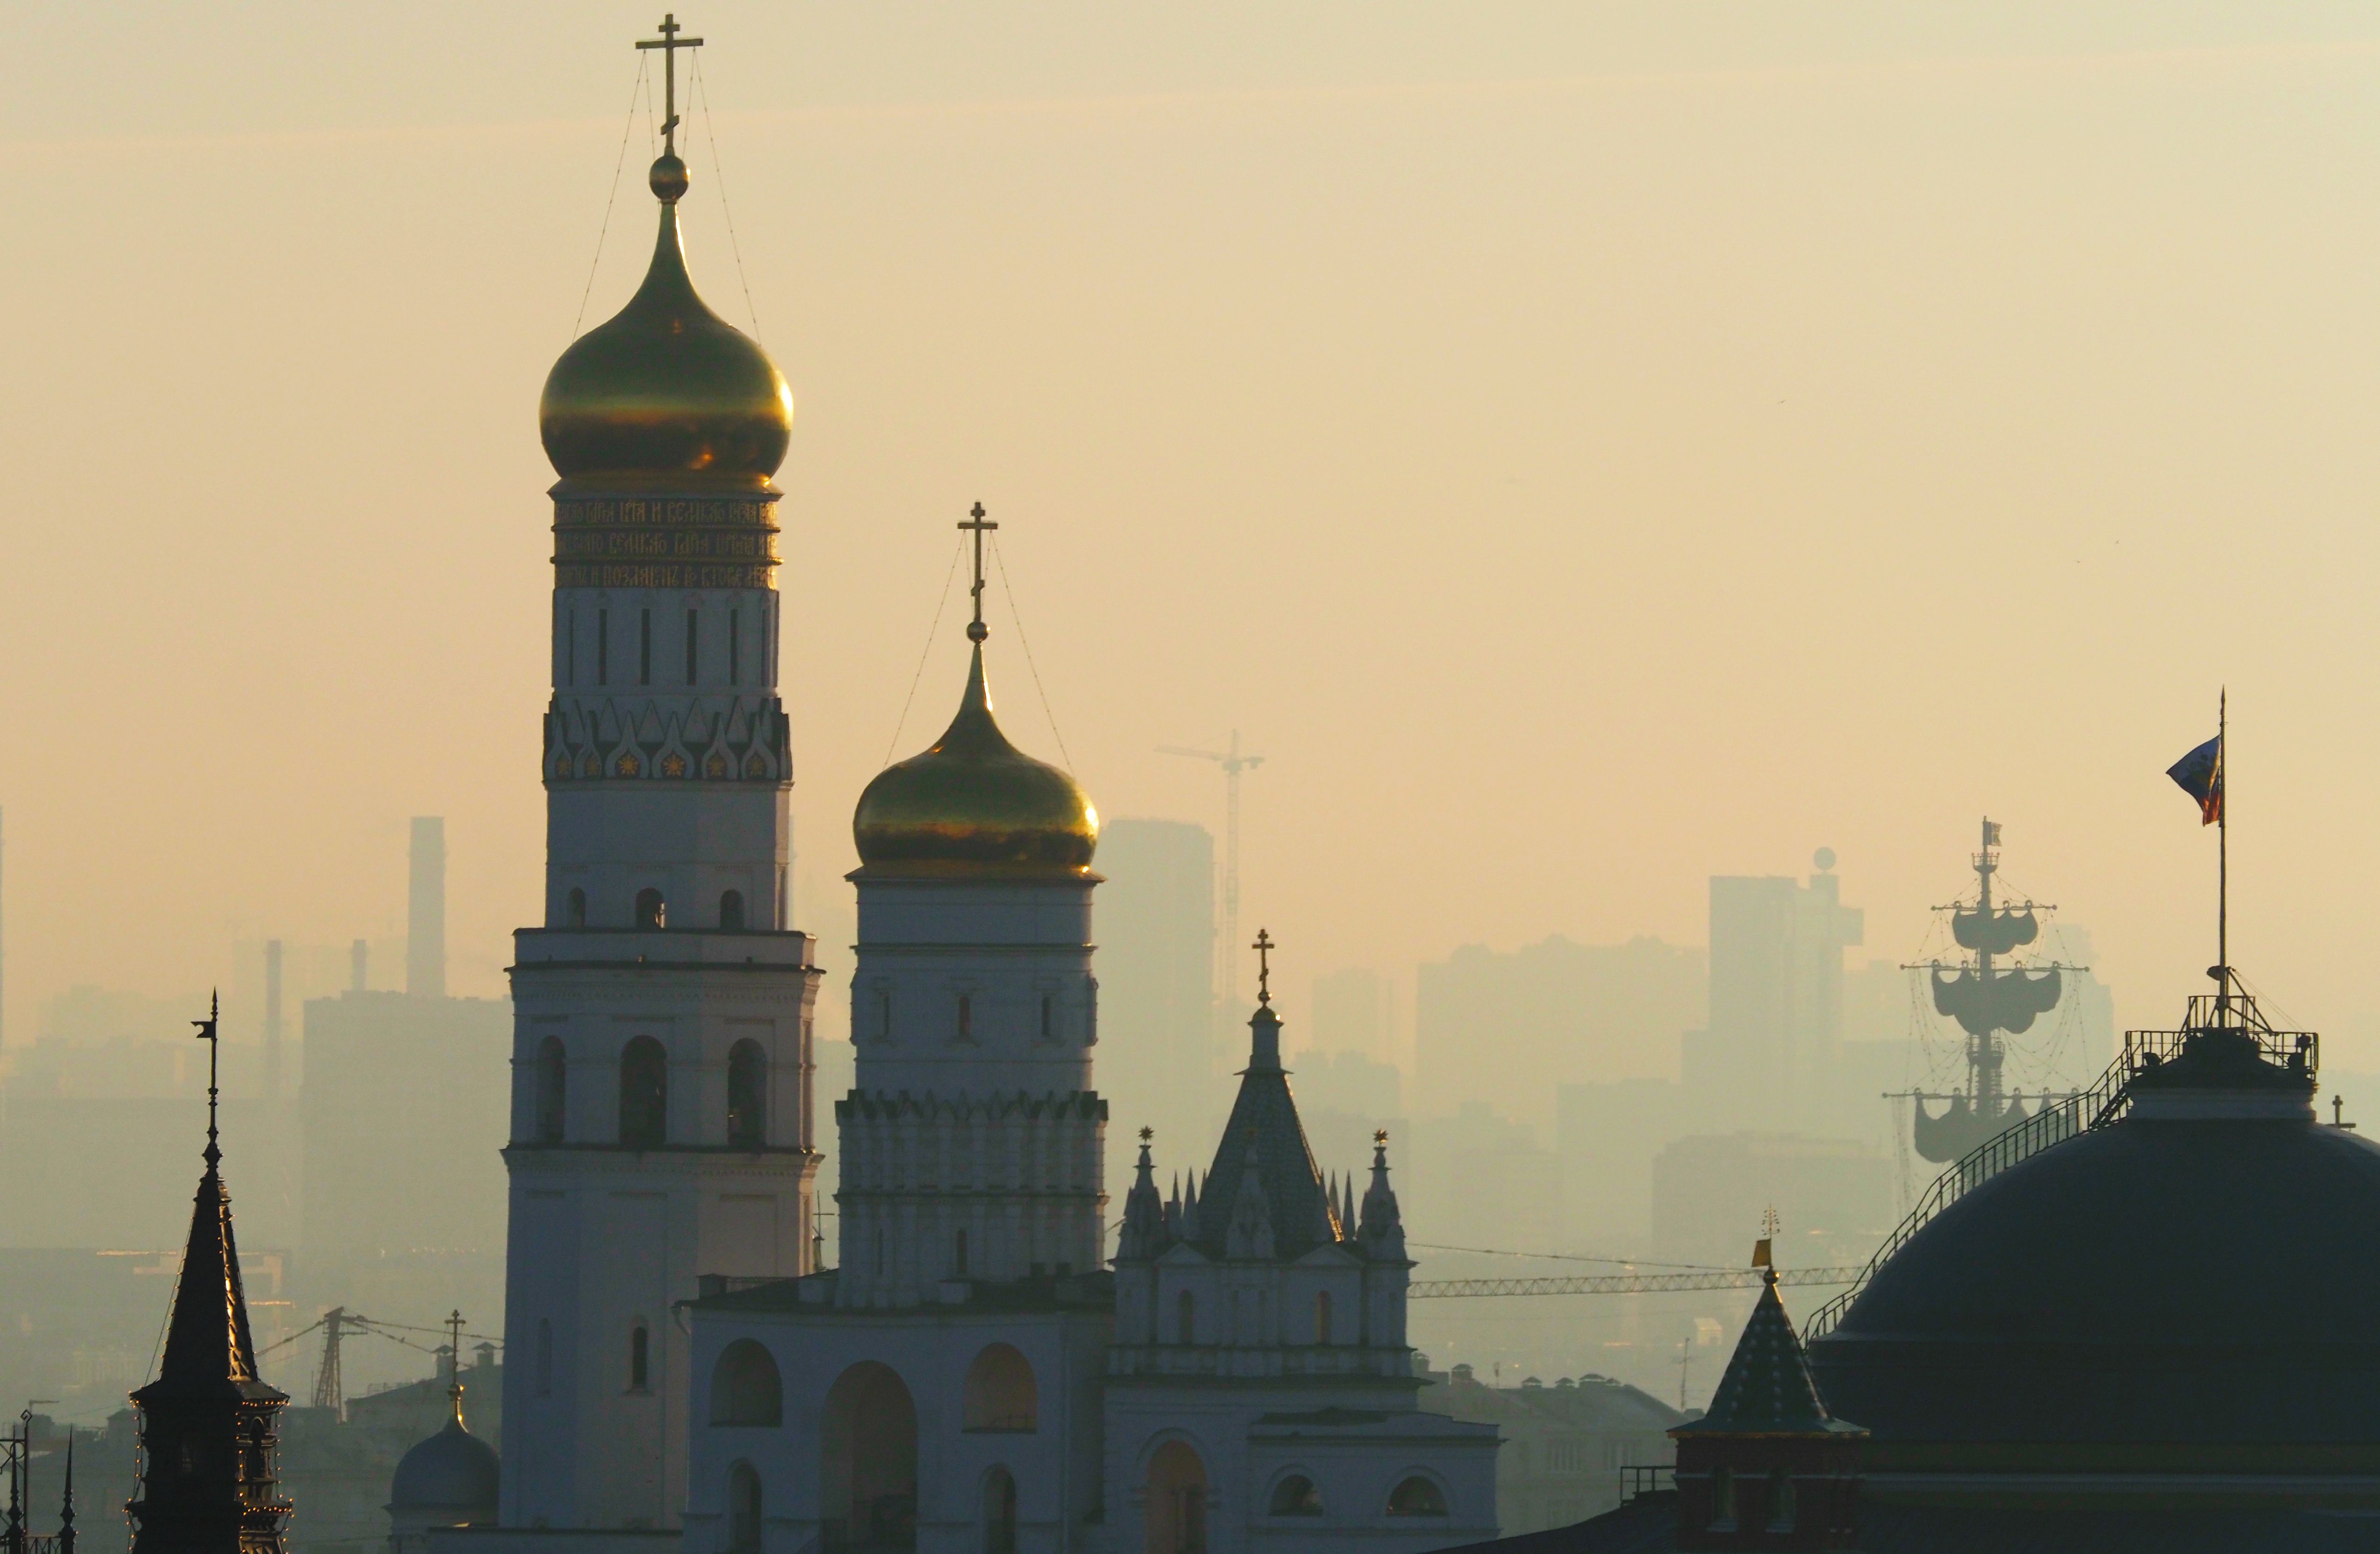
[1234, 763]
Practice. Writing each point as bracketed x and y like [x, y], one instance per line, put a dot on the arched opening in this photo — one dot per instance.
[644, 1094]
[640, 1359]
[1321, 1315]
[744, 1386]
[553, 1081]
[1723, 1498]
[1297, 1496]
[999, 1513]
[1782, 1508]
[1001, 1394]
[747, 1096]
[731, 909]
[1185, 1319]
[966, 1016]
[1176, 1502]
[743, 1510]
[868, 1478]
[574, 911]
[958, 1255]
[544, 1357]
[651, 911]
[1416, 1496]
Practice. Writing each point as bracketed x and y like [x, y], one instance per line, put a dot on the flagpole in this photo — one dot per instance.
[2223, 842]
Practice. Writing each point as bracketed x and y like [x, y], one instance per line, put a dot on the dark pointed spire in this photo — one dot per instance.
[1144, 1214]
[1767, 1390]
[1383, 1232]
[65, 1544]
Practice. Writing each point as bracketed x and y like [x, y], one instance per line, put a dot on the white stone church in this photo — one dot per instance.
[974, 1372]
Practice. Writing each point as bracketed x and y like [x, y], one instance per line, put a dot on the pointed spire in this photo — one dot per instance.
[1767, 1390]
[1144, 1215]
[1383, 1232]
[1187, 1223]
[65, 1544]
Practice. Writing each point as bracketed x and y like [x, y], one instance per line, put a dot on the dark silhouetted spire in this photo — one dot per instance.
[1144, 1214]
[1265, 1141]
[65, 1544]
[208, 1425]
[1383, 1231]
[1767, 1390]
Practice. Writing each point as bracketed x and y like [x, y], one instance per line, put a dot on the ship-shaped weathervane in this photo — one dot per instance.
[1992, 996]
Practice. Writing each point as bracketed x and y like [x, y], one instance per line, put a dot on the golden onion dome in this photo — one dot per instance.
[666, 393]
[974, 805]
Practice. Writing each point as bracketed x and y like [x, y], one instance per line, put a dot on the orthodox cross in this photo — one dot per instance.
[977, 630]
[669, 42]
[1264, 947]
[214, 1049]
[453, 1325]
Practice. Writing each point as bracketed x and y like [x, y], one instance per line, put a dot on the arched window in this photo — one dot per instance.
[544, 1357]
[868, 1461]
[1297, 1496]
[553, 1081]
[744, 1386]
[644, 1094]
[1185, 1312]
[958, 1255]
[1175, 1499]
[748, 1097]
[1723, 1498]
[1416, 1496]
[1782, 1508]
[999, 1513]
[743, 1510]
[966, 1016]
[1049, 1018]
[731, 910]
[575, 912]
[651, 912]
[1001, 1394]
[1321, 1315]
[640, 1359]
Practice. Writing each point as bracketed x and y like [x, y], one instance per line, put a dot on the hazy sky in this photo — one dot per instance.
[1585, 447]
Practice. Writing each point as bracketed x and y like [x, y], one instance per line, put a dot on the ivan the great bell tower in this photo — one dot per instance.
[661, 1119]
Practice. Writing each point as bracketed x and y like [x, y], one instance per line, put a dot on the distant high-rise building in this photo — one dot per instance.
[1354, 1010]
[1157, 981]
[1776, 989]
[425, 916]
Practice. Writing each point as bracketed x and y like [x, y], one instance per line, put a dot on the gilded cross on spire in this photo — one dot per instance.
[215, 1048]
[454, 1325]
[974, 520]
[669, 42]
[1264, 947]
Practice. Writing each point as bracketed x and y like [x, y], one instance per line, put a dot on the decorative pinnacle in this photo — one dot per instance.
[1264, 947]
[977, 630]
[213, 1155]
[1148, 1133]
[1380, 1137]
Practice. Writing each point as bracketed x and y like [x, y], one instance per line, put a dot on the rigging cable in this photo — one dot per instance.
[1017, 615]
[612, 199]
[929, 652]
[702, 95]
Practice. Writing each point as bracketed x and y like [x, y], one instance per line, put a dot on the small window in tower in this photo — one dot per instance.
[1321, 1315]
[575, 910]
[644, 1095]
[552, 1078]
[572, 650]
[691, 620]
[1416, 1497]
[1090, 1011]
[747, 1093]
[1049, 1018]
[602, 647]
[884, 1014]
[735, 647]
[731, 910]
[1723, 1500]
[644, 649]
[1782, 1508]
[1185, 1313]
[958, 1256]
[652, 912]
[966, 1016]
[640, 1358]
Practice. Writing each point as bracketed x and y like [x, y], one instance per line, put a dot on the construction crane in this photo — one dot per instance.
[1234, 763]
[1626, 1283]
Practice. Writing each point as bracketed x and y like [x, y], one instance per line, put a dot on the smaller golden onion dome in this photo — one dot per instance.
[974, 805]
[666, 393]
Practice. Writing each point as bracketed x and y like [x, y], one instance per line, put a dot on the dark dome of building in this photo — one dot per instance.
[2195, 1286]
[451, 1477]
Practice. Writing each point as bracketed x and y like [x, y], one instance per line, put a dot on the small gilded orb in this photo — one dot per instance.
[666, 394]
[668, 179]
[973, 804]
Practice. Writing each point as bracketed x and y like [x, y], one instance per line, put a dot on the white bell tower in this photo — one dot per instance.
[662, 1059]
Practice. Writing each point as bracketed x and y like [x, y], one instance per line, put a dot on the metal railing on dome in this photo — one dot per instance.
[2104, 1102]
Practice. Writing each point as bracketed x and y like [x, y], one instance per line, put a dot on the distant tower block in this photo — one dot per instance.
[356, 964]
[425, 918]
[273, 1019]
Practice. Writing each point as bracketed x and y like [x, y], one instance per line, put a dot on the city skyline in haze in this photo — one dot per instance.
[1586, 454]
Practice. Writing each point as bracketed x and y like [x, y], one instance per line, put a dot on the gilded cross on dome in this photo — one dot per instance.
[669, 42]
[1264, 947]
[977, 630]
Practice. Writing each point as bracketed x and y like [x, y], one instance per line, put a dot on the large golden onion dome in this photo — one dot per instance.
[667, 394]
[974, 805]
